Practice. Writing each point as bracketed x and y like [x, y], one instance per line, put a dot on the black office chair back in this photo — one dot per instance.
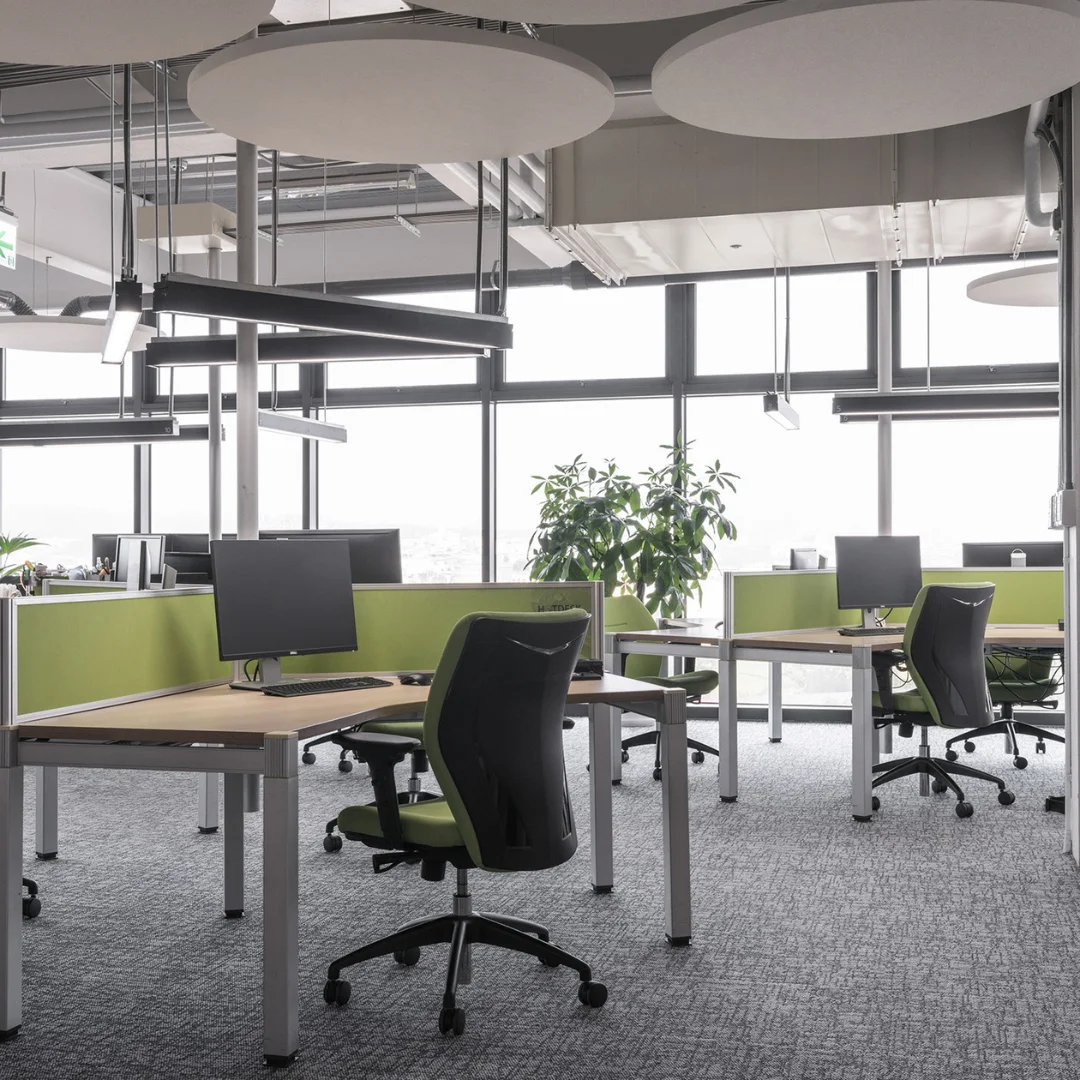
[944, 647]
[494, 730]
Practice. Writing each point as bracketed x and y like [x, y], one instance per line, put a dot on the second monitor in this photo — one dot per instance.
[877, 572]
[374, 554]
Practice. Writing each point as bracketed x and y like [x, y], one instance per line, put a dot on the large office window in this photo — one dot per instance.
[534, 438]
[971, 480]
[33, 375]
[63, 494]
[740, 324]
[562, 334]
[413, 469]
[959, 331]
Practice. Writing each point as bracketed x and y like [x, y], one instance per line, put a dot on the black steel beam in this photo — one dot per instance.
[186, 294]
[911, 402]
[300, 348]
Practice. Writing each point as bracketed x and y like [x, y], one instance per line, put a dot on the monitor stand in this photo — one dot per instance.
[869, 618]
[269, 675]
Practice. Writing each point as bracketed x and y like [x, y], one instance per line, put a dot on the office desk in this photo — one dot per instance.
[250, 733]
[828, 646]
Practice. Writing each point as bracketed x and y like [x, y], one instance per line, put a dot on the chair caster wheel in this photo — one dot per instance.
[951, 755]
[593, 994]
[344, 765]
[588, 768]
[1006, 798]
[1020, 762]
[307, 757]
[964, 809]
[875, 803]
[697, 757]
[969, 746]
[407, 957]
[31, 907]
[452, 1021]
[331, 843]
[337, 992]
[938, 786]
[626, 757]
[1040, 747]
[658, 774]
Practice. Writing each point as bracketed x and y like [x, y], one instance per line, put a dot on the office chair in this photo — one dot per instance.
[493, 730]
[943, 653]
[31, 904]
[629, 613]
[1016, 678]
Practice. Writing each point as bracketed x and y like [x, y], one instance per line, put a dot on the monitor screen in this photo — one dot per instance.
[1040, 553]
[804, 559]
[877, 571]
[374, 554]
[274, 599]
[127, 545]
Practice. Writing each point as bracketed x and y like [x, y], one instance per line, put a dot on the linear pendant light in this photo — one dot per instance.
[115, 431]
[125, 311]
[901, 417]
[302, 427]
[300, 348]
[187, 294]
[951, 404]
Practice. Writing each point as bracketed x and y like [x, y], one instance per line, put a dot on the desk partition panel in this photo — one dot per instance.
[757, 603]
[82, 647]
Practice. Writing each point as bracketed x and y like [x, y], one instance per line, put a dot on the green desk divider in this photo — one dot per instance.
[82, 588]
[399, 629]
[86, 649]
[761, 603]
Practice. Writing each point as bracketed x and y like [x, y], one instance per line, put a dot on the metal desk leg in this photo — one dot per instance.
[776, 702]
[729, 725]
[616, 746]
[11, 855]
[47, 811]
[234, 845]
[281, 901]
[862, 739]
[603, 859]
[676, 811]
[208, 802]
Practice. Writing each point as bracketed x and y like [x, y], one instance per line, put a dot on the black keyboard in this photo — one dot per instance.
[324, 686]
[872, 631]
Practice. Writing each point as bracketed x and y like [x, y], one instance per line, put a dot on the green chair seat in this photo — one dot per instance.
[1002, 690]
[695, 683]
[909, 703]
[407, 729]
[423, 824]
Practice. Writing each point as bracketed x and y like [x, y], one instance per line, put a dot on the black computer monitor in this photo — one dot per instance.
[374, 554]
[139, 558]
[188, 542]
[267, 606]
[1040, 553]
[877, 571]
[192, 567]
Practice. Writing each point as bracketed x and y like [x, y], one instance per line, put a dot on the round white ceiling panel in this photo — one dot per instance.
[402, 93]
[1023, 286]
[583, 12]
[61, 334]
[836, 69]
[77, 32]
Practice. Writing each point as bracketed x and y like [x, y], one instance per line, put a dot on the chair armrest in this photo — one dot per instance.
[883, 664]
[382, 753]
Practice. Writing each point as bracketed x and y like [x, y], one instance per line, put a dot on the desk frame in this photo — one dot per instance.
[276, 761]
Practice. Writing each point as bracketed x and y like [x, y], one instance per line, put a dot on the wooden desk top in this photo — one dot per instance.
[706, 634]
[243, 718]
[831, 640]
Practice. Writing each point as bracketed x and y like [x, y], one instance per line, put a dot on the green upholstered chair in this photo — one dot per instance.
[943, 653]
[493, 732]
[622, 613]
[1022, 678]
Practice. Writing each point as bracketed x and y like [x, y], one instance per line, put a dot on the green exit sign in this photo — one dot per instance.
[9, 227]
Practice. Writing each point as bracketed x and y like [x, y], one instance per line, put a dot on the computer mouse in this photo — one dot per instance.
[415, 678]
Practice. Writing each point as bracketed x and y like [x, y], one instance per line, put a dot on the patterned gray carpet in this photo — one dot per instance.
[916, 945]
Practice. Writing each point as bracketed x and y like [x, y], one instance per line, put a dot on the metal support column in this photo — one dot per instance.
[247, 346]
[884, 309]
[491, 371]
[142, 451]
[680, 309]
[312, 381]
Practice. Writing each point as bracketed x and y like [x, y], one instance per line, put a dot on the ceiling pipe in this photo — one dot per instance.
[522, 193]
[1038, 217]
[14, 303]
[467, 173]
